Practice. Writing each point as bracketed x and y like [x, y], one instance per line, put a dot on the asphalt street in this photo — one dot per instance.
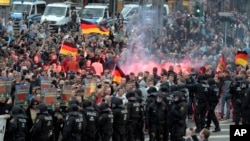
[223, 135]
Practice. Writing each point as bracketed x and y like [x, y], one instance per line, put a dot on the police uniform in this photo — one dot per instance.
[178, 116]
[135, 116]
[245, 104]
[18, 125]
[236, 96]
[105, 123]
[156, 116]
[91, 116]
[213, 100]
[74, 126]
[201, 103]
[120, 119]
[42, 129]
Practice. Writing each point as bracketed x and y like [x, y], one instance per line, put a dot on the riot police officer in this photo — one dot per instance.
[139, 98]
[245, 103]
[91, 116]
[74, 125]
[105, 123]
[156, 116]
[201, 104]
[134, 117]
[18, 124]
[151, 95]
[178, 116]
[213, 100]
[120, 119]
[42, 129]
[236, 96]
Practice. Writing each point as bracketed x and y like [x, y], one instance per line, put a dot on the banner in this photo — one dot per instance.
[45, 83]
[2, 127]
[49, 97]
[90, 88]
[66, 95]
[5, 85]
[21, 96]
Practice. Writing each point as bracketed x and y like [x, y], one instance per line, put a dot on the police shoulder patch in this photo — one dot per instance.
[182, 108]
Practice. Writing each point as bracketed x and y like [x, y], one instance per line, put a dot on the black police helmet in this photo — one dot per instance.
[73, 108]
[238, 78]
[16, 110]
[104, 107]
[159, 94]
[138, 92]
[115, 102]
[73, 102]
[151, 90]
[178, 93]
[42, 107]
[164, 88]
[86, 103]
[210, 81]
[201, 77]
[130, 94]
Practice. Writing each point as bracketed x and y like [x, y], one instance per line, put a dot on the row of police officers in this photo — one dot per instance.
[163, 115]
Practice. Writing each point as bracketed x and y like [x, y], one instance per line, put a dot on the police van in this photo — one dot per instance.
[129, 10]
[30, 9]
[59, 14]
[95, 13]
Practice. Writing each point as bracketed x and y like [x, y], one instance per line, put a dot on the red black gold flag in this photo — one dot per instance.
[118, 74]
[68, 48]
[88, 28]
[241, 58]
[222, 64]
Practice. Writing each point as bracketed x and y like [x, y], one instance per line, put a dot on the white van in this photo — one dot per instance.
[33, 8]
[59, 14]
[131, 9]
[95, 12]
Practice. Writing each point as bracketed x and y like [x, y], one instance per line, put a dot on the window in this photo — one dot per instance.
[67, 13]
[55, 11]
[106, 14]
[40, 8]
[20, 8]
[32, 12]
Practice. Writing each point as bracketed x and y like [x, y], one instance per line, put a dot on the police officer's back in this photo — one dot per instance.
[74, 126]
[42, 129]
[178, 117]
[120, 119]
[135, 115]
[91, 116]
[18, 124]
[105, 123]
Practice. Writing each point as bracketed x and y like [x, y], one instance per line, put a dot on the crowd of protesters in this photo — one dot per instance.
[33, 51]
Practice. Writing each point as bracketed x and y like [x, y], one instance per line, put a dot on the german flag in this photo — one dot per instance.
[118, 75]
[222, 64]
[88, 28]
[68, 48]
[241, 58]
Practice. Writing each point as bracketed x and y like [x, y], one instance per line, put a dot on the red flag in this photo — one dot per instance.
[222, 64]
[118, 74]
